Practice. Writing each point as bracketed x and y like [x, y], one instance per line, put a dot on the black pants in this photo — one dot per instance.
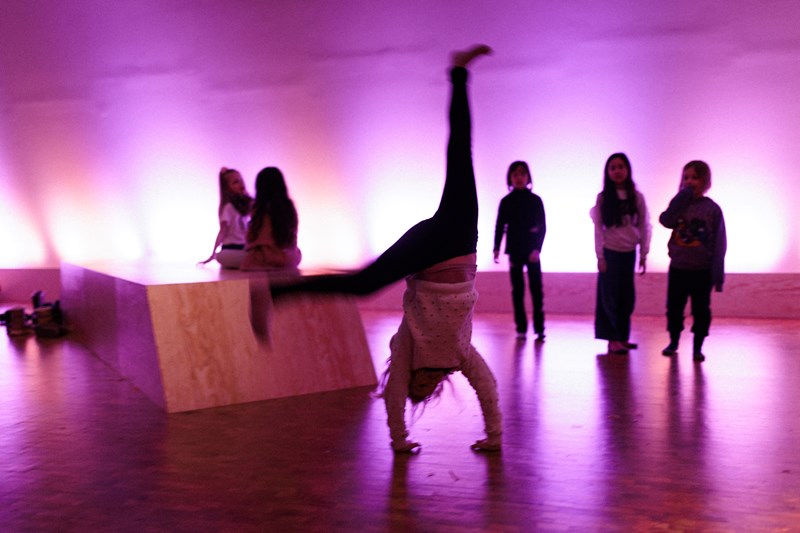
[616, 297]
[682, 285]
[516, 265]
[451, 232]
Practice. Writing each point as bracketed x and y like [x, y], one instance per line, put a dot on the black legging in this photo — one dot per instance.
[451, 232]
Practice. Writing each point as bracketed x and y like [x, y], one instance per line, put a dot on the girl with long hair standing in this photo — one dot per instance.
[621, 223]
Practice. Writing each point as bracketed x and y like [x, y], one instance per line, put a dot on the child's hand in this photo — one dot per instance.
[602, 266]
[534, 257]
[405, 446]
[490, 444]
[497, 256]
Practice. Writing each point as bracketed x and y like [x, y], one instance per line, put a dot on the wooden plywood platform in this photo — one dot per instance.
[193, 338]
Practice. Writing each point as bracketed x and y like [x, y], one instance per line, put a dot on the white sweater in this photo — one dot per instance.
[435, 332]
[623, 238]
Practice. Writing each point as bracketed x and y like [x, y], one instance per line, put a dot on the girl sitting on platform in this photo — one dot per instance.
[272, 233]
[234, 214]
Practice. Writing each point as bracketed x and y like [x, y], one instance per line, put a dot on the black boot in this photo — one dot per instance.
[697, 354]
[672, 347]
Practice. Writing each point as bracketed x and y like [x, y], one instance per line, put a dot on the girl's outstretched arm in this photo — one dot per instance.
[482, 380]
[217, 243]
[395, 390]
[646, 233]
[718, 259]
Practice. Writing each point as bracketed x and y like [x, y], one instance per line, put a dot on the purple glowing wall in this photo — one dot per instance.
[117, 116]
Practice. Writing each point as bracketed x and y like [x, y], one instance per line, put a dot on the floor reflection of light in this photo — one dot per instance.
[752, 421]
[637, 442]
[554, 395]
[20, 357]
[582, 428]
[9, 380]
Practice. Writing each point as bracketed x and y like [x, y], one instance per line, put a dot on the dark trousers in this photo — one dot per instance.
[616, 297]
[518, 294]
[682, 285]
[451, 232]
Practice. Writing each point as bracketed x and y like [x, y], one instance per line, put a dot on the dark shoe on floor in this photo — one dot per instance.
[630, 345]
[671, 349]
[699, 357]
[540, 337]
[17, 322]
[617, 347]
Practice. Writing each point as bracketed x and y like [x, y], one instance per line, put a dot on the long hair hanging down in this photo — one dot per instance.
[272, 199]
[418, 403]
[240, 202]
[612, 209]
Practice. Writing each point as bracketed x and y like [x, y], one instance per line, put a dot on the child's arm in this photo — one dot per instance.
[539, 230]
[223, 226]
[646, 232]
[499, 229]
[676, 207]
[395, 392]
[718, 258]
[597, 219]
[482, 380]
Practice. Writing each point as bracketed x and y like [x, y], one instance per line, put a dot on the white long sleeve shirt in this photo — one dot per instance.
[624, 238]
[435, 332]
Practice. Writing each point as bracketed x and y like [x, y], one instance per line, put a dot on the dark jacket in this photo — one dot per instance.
[698, 240]
[521, 218]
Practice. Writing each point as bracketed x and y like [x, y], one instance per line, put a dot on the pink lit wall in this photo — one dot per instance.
[116, 117]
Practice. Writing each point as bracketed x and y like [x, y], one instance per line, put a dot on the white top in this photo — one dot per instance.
[436, 332]
[236, 232]
[633, 231]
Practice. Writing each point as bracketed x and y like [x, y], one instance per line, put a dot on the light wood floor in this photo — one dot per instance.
[592, 443]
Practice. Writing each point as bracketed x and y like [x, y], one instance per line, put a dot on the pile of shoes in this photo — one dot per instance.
[17, 322]
[46, 321]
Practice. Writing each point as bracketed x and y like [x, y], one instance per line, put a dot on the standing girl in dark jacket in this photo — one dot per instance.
[521, 218]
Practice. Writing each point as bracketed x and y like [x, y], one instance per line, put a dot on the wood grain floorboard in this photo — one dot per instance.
[592, 443]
